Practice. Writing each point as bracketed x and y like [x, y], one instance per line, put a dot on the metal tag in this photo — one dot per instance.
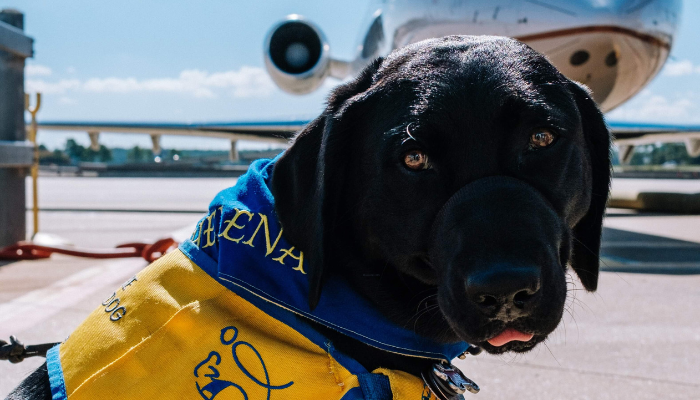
[447, 382]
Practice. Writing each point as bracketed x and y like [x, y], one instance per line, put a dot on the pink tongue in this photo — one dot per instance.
[509, 335]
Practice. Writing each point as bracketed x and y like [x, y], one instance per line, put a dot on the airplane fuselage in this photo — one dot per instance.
[614, 46]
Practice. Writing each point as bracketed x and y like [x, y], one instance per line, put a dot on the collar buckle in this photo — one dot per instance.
[447, 382]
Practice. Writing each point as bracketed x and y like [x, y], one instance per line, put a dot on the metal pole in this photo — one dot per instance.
[233, 153]
[15, 151]
[35, 158]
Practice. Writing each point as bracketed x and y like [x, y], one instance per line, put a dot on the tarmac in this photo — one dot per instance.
[637, 337]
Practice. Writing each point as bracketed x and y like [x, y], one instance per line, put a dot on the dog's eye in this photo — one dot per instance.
[541, 138]
[416, 160]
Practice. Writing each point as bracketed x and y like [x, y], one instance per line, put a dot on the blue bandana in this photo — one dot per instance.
[240, 244]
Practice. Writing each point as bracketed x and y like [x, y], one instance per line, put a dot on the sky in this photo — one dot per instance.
[176, 61]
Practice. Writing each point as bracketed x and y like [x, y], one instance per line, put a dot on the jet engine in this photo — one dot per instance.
[297, 55]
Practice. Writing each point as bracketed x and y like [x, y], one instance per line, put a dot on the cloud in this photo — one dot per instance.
[38, 85]
[64, 100]
[653, 107]
[111, 85]
[680, 68]
[244, 82]
[37, 70]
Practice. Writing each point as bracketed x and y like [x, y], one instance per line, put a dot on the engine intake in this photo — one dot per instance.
[297, 55]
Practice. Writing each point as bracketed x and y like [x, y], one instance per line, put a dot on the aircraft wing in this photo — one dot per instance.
[631, 131]
[629, 134]
[266, 131]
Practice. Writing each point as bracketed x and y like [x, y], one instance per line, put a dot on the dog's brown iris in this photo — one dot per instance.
[541, 138]
[416, 160]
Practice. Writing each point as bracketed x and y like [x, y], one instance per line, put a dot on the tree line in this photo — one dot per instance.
[74, 153]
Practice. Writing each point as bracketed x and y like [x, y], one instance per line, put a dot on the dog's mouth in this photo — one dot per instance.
[514, 346]
[511, 339]
[509, 335]
[498, 337]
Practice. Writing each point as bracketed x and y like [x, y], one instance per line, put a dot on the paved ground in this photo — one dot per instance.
[180, 194]
[631, 187]
[638, 337]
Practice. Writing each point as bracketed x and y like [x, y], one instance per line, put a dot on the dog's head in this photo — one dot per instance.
[452, 183]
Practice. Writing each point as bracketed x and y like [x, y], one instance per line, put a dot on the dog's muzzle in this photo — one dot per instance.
[495, 244]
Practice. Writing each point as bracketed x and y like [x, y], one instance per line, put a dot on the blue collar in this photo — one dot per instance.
[240, 244]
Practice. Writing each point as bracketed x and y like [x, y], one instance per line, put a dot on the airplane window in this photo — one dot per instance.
[579, 58]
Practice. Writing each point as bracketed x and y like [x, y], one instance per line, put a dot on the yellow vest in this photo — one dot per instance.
[185, 336]
[224, 317]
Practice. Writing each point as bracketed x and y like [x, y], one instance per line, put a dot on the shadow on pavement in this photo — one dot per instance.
[625, 251]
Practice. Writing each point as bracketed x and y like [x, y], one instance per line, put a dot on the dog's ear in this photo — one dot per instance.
[587, 232]
[308, 178]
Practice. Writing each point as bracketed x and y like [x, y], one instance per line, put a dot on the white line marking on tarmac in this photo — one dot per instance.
[649, 244]
[24, 312]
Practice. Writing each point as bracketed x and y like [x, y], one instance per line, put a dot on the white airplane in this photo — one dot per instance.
[615, 47]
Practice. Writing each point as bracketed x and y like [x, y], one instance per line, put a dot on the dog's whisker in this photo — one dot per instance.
[570, 309]
[623, 279]
[573, 318]
[539, 349]
[583, 304]
[563, 321]
[419, 314]
[425, 300]
[550, 352]
[427, 297]
[431, 316]
[575, 300]
[592, 252]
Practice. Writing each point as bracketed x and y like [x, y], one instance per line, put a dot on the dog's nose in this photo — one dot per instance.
[506, 292]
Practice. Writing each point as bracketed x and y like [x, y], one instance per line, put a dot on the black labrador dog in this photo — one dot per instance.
[452, 184]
